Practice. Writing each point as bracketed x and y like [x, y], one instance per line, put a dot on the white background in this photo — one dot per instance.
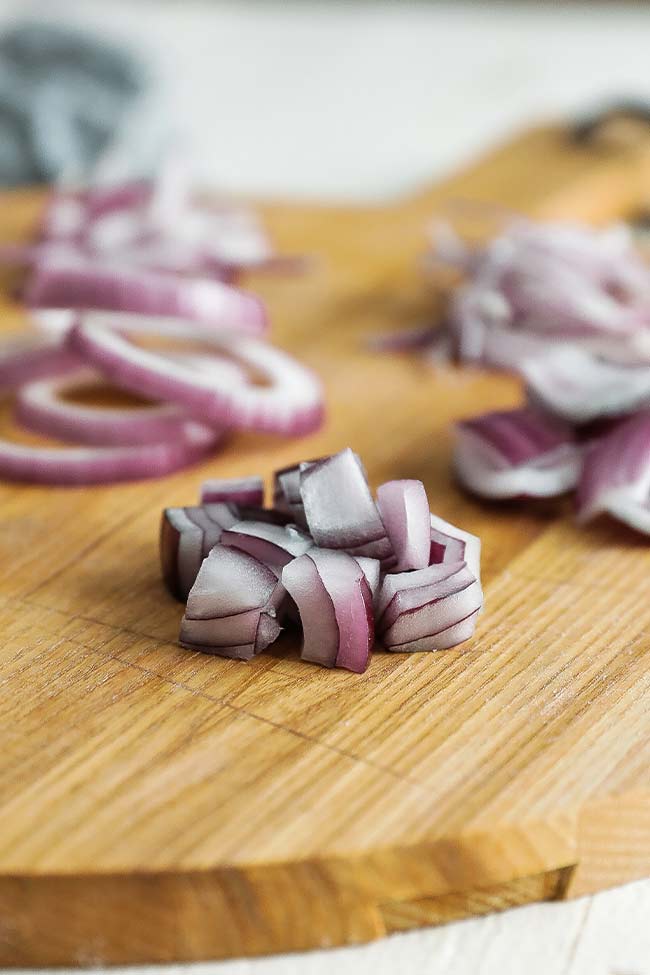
[363, 100]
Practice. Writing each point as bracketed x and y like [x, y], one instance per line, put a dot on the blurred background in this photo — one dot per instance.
[338, 100]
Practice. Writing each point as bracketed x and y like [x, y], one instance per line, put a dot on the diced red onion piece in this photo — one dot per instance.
[412, 585]
[339, 507]
[229, 582]
[274, 545]
[302, 581]
[82, 284]
[404, 510]
[450, 544]
[186, 536]
[26, 357]
[233, 605]
[576, 386]
[181, 554]
[430, 616]
[77, 466]
[200, 635]
[616, 475]
[291, 403]
[516, 453]
[286, 490]
[40, 407]
[240, 490]
[347, 590]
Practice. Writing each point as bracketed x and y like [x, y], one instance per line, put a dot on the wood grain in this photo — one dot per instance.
[158, 804]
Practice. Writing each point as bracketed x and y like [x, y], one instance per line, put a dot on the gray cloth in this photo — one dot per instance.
[63, 95]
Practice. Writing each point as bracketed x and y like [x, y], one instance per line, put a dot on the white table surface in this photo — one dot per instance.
[362, 100]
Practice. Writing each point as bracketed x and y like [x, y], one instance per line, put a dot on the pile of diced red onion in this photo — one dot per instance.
[566, 307]
[133, 285]
[352, 571]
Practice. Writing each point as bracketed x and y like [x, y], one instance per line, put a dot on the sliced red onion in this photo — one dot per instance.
[616, 475]
[82, 284]
[233, 606]
[240, 490]
[516, 453]
[404, 510]
[430, 613]
[291, 403]
[339, 507]
[76, 466]
[451, 545]
[349, 643]
[26, 357]
[41, 408]
[274, 545]
[574, 385]
[536, 283]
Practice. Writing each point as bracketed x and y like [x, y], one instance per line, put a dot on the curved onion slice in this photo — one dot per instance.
[291, 403]
[342, 635]
[80, 284]
[450, 544]
[240, 490]
[78, 466]
[233, 605]
[274, 545]
[404, 510]
[574, 385]
[40, 407]
[320, 632]
[616, 475]
[27, 357]
[430, 616]
[186, 537]
[516, 453]
[340, 510]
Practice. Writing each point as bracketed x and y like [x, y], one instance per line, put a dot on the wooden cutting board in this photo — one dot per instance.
[159, 805]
